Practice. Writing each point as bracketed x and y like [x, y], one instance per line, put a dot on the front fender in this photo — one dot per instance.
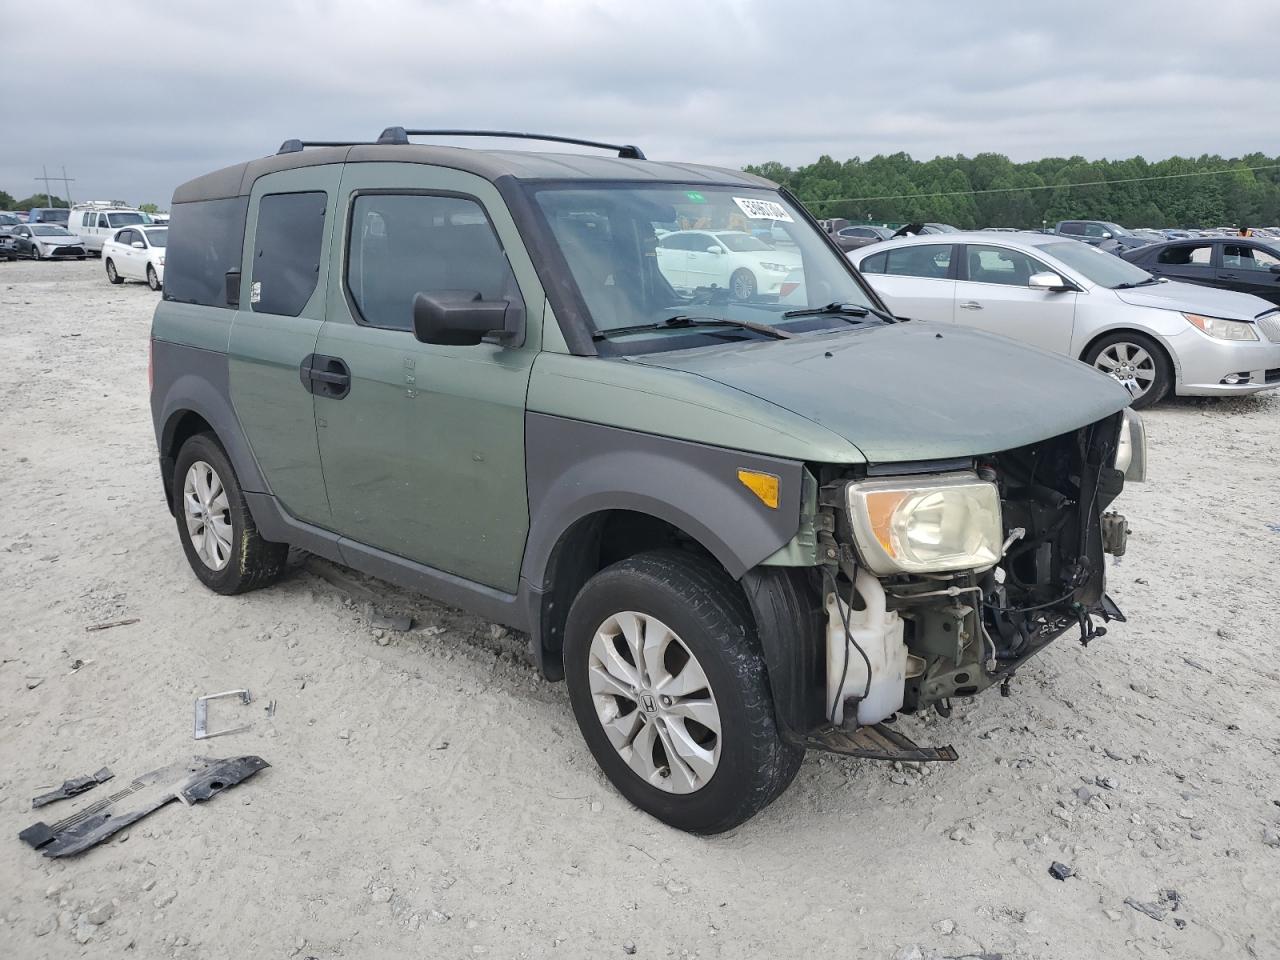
[576, 469]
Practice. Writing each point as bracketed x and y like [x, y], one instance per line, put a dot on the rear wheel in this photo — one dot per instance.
[1137, 362]
[153, 281]
[669, 689]
[111, 272]
[742, 284]
[218, 534]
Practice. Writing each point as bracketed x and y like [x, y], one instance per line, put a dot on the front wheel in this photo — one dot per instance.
[669, 689]
[742, 284]
[218, 533]
[153, 281]
[36, 254]
[1137, 362]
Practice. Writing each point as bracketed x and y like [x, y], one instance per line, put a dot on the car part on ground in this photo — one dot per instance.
[201, 727]
[191, 782]
[73, 787]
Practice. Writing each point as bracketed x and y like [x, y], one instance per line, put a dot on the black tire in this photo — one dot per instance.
[708, 612]
[112, 275]
[35, 253]
[153, 281]
[742, 284]
[1160, 365]
[254, 562]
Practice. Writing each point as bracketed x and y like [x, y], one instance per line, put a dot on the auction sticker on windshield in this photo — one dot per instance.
[763, 209]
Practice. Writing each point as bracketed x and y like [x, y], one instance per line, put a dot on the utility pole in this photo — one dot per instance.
[64, 180]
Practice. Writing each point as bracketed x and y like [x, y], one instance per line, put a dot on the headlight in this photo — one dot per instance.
[919, 525]
[1131, 451]
[1222, 329]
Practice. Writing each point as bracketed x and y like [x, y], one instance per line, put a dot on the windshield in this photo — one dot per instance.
[49, 230]
[124, 219]
[1104, 269]
[52, 213]
[641, 254]
[158, 237]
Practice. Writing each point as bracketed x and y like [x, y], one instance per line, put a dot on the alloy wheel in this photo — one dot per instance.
[208, 515]
[654, 702]
[1130, 364]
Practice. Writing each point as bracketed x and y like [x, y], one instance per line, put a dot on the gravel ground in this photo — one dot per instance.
[430, 796]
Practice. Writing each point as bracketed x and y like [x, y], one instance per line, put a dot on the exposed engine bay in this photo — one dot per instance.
[905, 640]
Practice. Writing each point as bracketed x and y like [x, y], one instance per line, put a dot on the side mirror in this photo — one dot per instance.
[138, 245]
[1106, 234]
[1049, 282]
[1275, 268]
[714, 250]
[460, 318]
[232, 280]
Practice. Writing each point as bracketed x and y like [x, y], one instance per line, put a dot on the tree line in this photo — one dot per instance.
[1220, 192]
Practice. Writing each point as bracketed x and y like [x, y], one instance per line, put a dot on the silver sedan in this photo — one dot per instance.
[1155, 336]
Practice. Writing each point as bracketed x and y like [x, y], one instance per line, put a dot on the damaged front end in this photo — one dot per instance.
[943, 578]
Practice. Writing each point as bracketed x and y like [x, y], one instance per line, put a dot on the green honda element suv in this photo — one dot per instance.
[646, 413]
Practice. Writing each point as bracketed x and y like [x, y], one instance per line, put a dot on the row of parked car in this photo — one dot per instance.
[130, 242]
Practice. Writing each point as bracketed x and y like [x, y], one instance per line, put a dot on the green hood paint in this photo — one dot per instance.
[912, 391]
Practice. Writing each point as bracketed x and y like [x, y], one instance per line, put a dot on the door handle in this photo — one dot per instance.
[1228, 276]
[971, 305]
[325, 376]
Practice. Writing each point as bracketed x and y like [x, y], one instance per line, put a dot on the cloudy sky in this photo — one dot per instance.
[136, 97]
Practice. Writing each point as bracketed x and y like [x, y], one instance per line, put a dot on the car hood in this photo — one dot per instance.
[913, 391]
[56, 241]
[1193, 298]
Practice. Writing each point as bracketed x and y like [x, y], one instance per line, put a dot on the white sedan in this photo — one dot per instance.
[729, 259]
[136, 253]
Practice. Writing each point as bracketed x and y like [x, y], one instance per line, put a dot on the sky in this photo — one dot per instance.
[134, 98]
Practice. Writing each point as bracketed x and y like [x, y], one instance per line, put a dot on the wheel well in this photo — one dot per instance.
[181, 427]
[587, 547]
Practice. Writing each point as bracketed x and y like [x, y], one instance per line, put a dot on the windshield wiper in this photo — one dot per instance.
[681, 322]
[839, 309]
[1136, 283]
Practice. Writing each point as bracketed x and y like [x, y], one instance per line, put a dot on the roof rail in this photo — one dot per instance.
[401, 135]
[296, 146]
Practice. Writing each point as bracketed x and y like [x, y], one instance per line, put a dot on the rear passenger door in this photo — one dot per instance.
[423, 452]
[282, 291]
[917, 280]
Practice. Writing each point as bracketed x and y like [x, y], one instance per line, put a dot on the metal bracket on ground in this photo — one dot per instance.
[202, 731]
[877, 742]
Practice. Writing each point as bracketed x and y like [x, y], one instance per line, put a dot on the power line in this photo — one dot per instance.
[1047, 186]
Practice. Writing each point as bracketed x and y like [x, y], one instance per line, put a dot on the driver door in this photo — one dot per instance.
[992, 294]
[422, 445]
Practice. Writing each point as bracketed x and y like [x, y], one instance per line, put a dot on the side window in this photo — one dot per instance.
[1072, 228]
[125, 236]
[1095, 230]
[1000, 265]
[1239, 257]
[401, 245]
[1187, 254]
[206, 238]
[102, 221]
[84, 219]
[932, 260]
[874, 264]
[286, 259]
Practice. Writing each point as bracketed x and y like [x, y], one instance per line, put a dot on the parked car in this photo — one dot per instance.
[97, 223]
[1242, 264]
[860, 235]
[730, 259]
[44, 241]
[136, 253]
[48, 215]
[738, 529]
[1152, 335]
[1102, 234]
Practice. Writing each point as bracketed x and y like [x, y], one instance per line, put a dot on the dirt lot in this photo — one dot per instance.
[429, 796]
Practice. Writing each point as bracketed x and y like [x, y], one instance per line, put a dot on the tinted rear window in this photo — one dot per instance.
[286, 260]
[208, 238]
